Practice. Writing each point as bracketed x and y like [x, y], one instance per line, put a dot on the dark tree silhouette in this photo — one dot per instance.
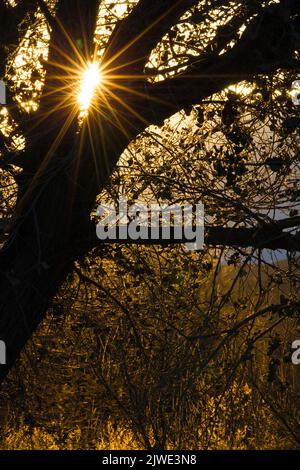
[64, 166]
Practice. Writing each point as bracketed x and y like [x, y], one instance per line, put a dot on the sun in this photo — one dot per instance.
[91, 80]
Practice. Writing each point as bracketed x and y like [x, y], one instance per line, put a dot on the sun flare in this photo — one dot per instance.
[91, 80]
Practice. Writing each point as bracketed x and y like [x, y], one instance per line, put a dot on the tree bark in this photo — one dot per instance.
[51, 229]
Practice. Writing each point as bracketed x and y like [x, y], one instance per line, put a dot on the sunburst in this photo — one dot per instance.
[91, 81]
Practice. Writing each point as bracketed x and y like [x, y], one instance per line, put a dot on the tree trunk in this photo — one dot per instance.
[51, 229]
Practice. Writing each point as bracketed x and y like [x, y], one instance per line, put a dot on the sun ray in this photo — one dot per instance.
[116, 122]
[127, 46]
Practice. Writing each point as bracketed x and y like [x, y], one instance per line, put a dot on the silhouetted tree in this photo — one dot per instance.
[65, 162]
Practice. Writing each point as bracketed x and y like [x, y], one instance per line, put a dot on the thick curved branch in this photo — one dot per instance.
[135, 37]
[267, 45]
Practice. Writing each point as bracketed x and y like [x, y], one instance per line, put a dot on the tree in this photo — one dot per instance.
[65, 163]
